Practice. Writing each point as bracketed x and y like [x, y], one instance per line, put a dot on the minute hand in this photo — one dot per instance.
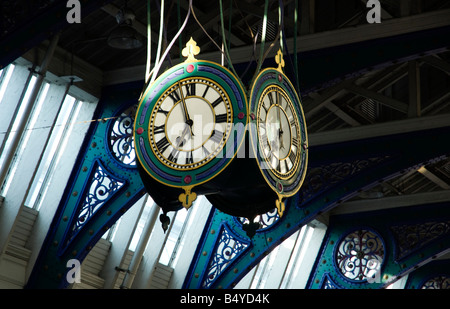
[189, 121]
[280, 132]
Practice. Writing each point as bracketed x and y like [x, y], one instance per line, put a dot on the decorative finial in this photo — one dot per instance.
[279, 60]
[187, 197]
[280, 206]
[190, 50]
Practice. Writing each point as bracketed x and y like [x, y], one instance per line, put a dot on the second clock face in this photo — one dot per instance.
[190, 123]
[278, 132]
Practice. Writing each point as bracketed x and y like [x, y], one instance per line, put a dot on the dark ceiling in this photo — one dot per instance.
[242, 21]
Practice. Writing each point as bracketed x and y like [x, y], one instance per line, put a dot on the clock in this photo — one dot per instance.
[189, 126]
[278, 132]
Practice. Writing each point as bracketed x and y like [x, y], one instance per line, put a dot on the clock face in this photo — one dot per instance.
[278, 132]
[190, 123]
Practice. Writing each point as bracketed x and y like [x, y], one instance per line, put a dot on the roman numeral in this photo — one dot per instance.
[292, 157]
[205, 151]
[189, 158]
[221, 118]
[216, 102]
[158, 129]
[270, 95]
[163, 111]
[173, 156]
[278, 98]
[295, 142]
[190, 89]
[162, 144]
[205, 92]
[217, 136]
[175, 96]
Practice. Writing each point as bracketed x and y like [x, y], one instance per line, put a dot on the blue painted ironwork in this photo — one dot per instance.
[411, 238]
[264, 221]
[390, 267]
[120, 137]
[328, 284]
[336, 173]
[434, 275]
[101, 188]
[441, 282]
[228, 248]
[359, 255]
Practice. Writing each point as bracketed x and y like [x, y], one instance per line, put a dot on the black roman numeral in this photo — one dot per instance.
[190, 89]
[221, 118]
[216, 102]
[173, 156]
[270, 95]
[206, 91]
[189, 158]
[158, 129]
[217, 136]
[205, 151]
[292, 157]
[175, 96]
[162, 144]
[163, 111]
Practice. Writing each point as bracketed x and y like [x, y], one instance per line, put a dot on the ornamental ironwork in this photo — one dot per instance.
[227, 249]
[120, 137]
[437, 283]
[100, 187]
[265, 220]
[359, 255]
[410, 238]
[320, 179]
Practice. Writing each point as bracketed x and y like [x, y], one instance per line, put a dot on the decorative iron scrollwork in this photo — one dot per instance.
[359, 255]
[120, 138]
[437, 283]
[227, 249]
[321, 178]
[410, 238]
[265, 220]
[100, 187]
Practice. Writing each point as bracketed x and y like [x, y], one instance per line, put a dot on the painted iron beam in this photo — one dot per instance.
[337, 172]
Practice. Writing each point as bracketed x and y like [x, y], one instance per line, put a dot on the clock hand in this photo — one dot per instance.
[180, 139]
[280, 130]
[189, 121]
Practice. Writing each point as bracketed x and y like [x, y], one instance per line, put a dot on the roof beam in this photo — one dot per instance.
[392, 202]
[389, 102]
[434, 178]
[380, 129]
[316, 41]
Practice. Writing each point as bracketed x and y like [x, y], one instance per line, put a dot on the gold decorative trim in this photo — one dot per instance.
[280, 61]
[190, 51]
[187, 197]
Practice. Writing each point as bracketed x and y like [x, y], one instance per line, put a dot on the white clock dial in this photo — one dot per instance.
[191, 123]
[278, 132]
